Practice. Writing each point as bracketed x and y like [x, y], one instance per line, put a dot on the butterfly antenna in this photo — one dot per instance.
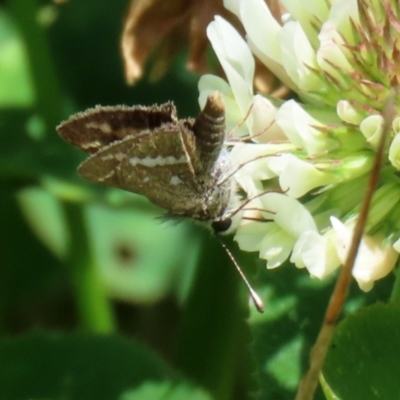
[240, 166]
[242, 206]
[241, 123]
[254, 296]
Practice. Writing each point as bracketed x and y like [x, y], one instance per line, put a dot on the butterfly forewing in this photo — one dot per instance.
[97, 127]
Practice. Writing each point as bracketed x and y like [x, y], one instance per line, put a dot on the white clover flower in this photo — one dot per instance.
[317, 253]
[375, 259]
[238, 63]
[394, 152]
[340, 57]
[275, 239]
[236, 60]
[303, 130]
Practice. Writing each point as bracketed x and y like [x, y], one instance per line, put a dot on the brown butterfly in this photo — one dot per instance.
[179, 165]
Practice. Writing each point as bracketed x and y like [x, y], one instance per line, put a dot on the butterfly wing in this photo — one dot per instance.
[146, 150]
[98, 127]
[154, 164]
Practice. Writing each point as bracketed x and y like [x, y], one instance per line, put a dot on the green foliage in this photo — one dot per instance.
[76, 366]
[367, 343]
[76, 258]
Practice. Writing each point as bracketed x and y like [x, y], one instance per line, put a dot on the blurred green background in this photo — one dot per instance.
[98, 298]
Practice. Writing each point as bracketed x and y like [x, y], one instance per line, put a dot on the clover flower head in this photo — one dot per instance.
[314, 154]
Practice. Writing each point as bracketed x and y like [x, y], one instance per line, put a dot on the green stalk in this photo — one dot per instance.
[48, 98]
[214, 336]
[94, 309]
[395, 295]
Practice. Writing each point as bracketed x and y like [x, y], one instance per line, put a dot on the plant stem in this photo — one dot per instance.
[93, 306]
[395, 295]
[48, 98]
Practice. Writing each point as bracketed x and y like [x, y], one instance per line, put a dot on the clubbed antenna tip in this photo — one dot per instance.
[258, 303]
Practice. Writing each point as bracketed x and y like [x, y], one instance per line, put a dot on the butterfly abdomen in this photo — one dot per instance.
[209, 130]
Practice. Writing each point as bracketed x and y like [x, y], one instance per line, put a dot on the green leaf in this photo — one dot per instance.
[27, 153]
[75, 366]
[363, 359]
[45, 215]
[284, 333]
[165, 391]
[15, 85]
[285, 365]
[28, 270]
[139, 258]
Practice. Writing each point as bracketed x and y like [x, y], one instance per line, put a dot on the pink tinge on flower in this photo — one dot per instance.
[374, 260]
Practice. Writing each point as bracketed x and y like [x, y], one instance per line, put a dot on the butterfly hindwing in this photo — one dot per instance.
[144, 165]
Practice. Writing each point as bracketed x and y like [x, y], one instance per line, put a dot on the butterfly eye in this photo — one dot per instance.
[221, 226]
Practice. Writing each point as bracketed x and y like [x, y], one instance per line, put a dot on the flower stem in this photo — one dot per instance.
[93, 306]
